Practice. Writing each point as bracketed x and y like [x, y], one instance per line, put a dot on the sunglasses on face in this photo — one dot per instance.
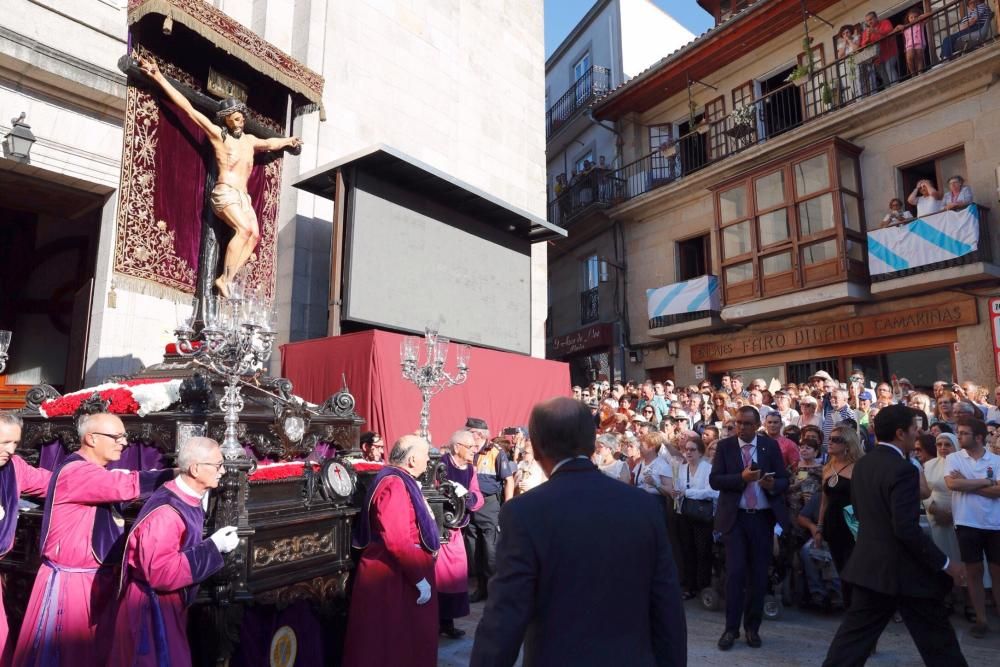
[838, 440]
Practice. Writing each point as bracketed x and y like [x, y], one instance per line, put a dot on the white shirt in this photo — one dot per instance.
[970, 509]
[696, 486]
[659, 468]
[762, 501]
[928, 206]
[791, 416]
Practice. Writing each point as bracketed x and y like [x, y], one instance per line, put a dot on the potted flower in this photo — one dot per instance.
[826, 95]
[697, 125]
[800, 75]
[743, 121]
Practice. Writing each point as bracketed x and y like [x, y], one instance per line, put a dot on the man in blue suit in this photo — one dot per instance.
[551, 589]
[751, 478]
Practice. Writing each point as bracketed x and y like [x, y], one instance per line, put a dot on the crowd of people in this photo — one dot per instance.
[667, 437]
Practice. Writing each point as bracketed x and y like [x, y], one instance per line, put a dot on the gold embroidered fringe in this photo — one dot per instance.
[170, 10]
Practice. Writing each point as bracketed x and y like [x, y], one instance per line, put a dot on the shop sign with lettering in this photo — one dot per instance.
[913, 320]
[598, 335]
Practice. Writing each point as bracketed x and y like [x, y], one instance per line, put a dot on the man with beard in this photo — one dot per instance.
[234, 152]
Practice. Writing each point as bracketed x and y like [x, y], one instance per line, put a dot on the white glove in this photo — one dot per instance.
[424, 588]
[226, 539]
[460, 491]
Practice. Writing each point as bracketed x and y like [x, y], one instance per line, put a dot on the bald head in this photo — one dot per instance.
[411, 453]
[561, 428]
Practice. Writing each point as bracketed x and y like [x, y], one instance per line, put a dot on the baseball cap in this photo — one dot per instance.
[475, 422]
[865, 395]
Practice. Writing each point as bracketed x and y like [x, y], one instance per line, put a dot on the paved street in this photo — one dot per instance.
[797, 638]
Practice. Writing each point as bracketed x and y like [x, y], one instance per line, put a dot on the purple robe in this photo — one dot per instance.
[452, 567]
[166, 557]
[73, 594]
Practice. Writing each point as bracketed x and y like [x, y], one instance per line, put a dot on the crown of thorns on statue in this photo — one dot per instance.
[92, 406]
[228, 107]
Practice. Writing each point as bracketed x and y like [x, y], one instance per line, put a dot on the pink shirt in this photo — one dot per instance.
[913, 37]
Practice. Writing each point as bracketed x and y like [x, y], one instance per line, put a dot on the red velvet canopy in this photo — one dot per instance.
[502, 387]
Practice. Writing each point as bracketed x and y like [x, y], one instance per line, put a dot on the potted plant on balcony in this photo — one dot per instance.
[826, 95]
[800, 75]
[697, 125]
[744, 117]
[668, 149]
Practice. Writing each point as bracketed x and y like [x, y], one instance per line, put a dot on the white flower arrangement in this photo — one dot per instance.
[744, 115]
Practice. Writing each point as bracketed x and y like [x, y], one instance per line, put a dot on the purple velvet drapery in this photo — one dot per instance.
[134, 457]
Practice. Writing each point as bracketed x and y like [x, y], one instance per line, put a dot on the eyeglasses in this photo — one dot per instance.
[217, 466]
[838, 440]
[114, 436]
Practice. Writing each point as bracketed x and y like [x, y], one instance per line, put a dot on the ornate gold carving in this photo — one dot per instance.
[319, 589]
[290, 549]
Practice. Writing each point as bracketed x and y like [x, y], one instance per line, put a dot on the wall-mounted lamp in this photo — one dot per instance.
[672, 348]
[17, 144]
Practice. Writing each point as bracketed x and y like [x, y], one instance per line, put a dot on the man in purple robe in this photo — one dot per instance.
[166, 557]
[16, 477]
[81, 538]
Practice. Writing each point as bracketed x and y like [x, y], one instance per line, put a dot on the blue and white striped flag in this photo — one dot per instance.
[688, 297]
[937, 238]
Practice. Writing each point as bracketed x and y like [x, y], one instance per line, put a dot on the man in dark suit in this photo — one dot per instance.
[894, 565]
[560, 542]
[751, 478]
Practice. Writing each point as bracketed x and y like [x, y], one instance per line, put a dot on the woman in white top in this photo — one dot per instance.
[695, 534]
[784, 404]
[926, 198]
[810, 416]
[604, 458]
[938, 505]
[529, 474]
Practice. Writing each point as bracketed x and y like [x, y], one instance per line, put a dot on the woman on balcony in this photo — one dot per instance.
[897, 215]
[959, 194]
[978, 14]
[926, 198]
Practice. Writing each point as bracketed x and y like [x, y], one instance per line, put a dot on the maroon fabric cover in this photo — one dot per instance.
[502, 387]
[181, 156]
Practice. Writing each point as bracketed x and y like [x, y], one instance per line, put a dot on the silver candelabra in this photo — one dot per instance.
[235, 343]
[431, 377]
[4, 344]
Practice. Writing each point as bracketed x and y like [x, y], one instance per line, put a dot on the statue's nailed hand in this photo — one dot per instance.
[149, 67]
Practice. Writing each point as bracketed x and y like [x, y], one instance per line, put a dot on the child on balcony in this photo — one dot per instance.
[914, 40]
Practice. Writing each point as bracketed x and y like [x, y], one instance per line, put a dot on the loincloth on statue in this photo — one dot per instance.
[224, 195]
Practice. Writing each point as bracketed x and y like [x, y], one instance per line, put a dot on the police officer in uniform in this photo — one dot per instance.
[494, 469]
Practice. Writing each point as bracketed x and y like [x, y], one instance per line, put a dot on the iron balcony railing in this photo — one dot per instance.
[592, 84]
[597, 188]
[825, 90]
[590, 306]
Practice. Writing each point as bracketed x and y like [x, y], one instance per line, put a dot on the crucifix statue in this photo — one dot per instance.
[234, 153]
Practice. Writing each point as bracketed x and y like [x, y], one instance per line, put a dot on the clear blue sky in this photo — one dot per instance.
[562, 15]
